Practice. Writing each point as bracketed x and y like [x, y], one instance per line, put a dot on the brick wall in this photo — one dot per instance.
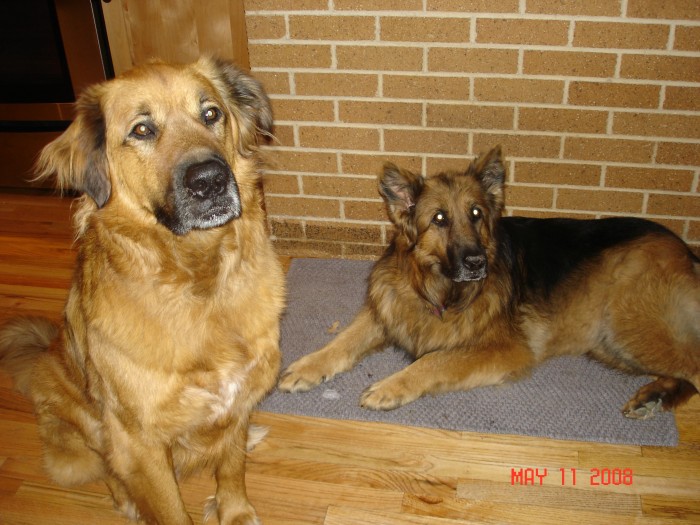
[595, 102]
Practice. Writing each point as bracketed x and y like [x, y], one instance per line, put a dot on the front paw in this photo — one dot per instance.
[301, 377]
[387, 395]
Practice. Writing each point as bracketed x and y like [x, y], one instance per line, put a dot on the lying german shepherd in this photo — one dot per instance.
[480, 300]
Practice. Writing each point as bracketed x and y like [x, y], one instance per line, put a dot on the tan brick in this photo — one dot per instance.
[401, 113]
[336, 84]
[474, 6]
[368, 164]
[608, 149]
[470, 116]
[557, 174]
[381, 58]
[694, 231]
[425, 87]
[303, 110]
[518, 31]
[344, 187]
[266, 27]
[529, 196]
[649, 178]
[284, 136]
[474, 60]
[277, 183]
[338, 137]
[302, 207]
[681, 97]
[322, 27]
[285, 5]
[661, 67]
[297, 160]
[519, 145]
[289, 55]
[544, 214]
[445, 164]
[304, 248]
[677, 205]
[422, 29]
[575, 7]
[363, 251]
[677, 9]
[657, 125]
[348, 232]
[569, 63]
[678, 154]
[426, 141]
[599, 200]
[518, 90]
[286, 228]
[365, 210]
[687, 38]
[613, 35]
[378, 5]
[562, 120]
[609, 94]
[274, 83]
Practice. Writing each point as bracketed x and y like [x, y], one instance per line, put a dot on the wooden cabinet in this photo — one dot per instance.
[175, 31]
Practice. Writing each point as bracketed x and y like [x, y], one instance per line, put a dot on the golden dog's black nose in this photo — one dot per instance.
[206, 180]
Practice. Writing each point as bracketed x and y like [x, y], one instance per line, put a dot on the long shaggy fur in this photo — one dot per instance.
[480, 299]
[171, 325]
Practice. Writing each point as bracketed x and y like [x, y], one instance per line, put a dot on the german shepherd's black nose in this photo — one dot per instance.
[475, 263]
[206, 180]
[470, 267]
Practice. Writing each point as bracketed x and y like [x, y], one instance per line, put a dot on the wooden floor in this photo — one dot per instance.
[312, 471]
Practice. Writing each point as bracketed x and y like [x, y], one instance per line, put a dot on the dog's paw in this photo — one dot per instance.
[386, 395]
[246, 517]
[643, 411]
[299, 378]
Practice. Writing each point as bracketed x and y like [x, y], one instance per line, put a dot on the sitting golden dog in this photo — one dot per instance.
[171, 326]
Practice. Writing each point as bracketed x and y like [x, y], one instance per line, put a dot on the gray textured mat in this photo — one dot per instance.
[566, 398]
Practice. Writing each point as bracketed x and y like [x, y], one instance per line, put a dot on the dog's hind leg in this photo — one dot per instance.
[448, 371]
[665, 393]
[362, 337]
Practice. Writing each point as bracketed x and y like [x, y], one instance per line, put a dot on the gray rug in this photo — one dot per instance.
[566, 398]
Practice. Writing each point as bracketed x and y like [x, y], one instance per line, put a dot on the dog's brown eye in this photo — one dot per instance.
[211, 115]
[141, 131]
[475, 213]
[440, 218]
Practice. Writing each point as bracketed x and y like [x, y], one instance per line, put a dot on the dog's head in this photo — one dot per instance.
[447, 221]
[172, 143]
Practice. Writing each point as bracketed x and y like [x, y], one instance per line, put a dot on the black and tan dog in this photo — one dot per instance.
[480, 300]
[171, 326]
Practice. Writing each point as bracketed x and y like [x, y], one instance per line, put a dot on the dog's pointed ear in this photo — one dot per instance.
[78, 157]
[249, 103]
[491, 174]
[400, 189]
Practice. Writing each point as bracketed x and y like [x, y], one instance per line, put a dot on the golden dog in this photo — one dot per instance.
[171, 325]
[479, 299]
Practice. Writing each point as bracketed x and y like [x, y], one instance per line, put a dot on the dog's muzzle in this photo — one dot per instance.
[469, 267]
[204, 195]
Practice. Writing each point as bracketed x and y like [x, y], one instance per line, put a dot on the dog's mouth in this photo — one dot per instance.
[204, 195]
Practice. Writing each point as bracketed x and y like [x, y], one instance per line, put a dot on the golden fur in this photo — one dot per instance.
[479, 300]
[170, 335]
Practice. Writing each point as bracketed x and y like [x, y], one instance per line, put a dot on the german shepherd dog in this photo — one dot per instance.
[479, 300]
[170, 332]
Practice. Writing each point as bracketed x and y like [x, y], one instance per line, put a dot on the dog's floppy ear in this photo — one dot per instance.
[491, 174]
[78, 157]
[400, 189]
[249, 103]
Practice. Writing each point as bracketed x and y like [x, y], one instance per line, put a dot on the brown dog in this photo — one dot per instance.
[479, 300]
[171, 325]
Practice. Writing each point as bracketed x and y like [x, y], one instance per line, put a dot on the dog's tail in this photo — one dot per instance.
[22, 341]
